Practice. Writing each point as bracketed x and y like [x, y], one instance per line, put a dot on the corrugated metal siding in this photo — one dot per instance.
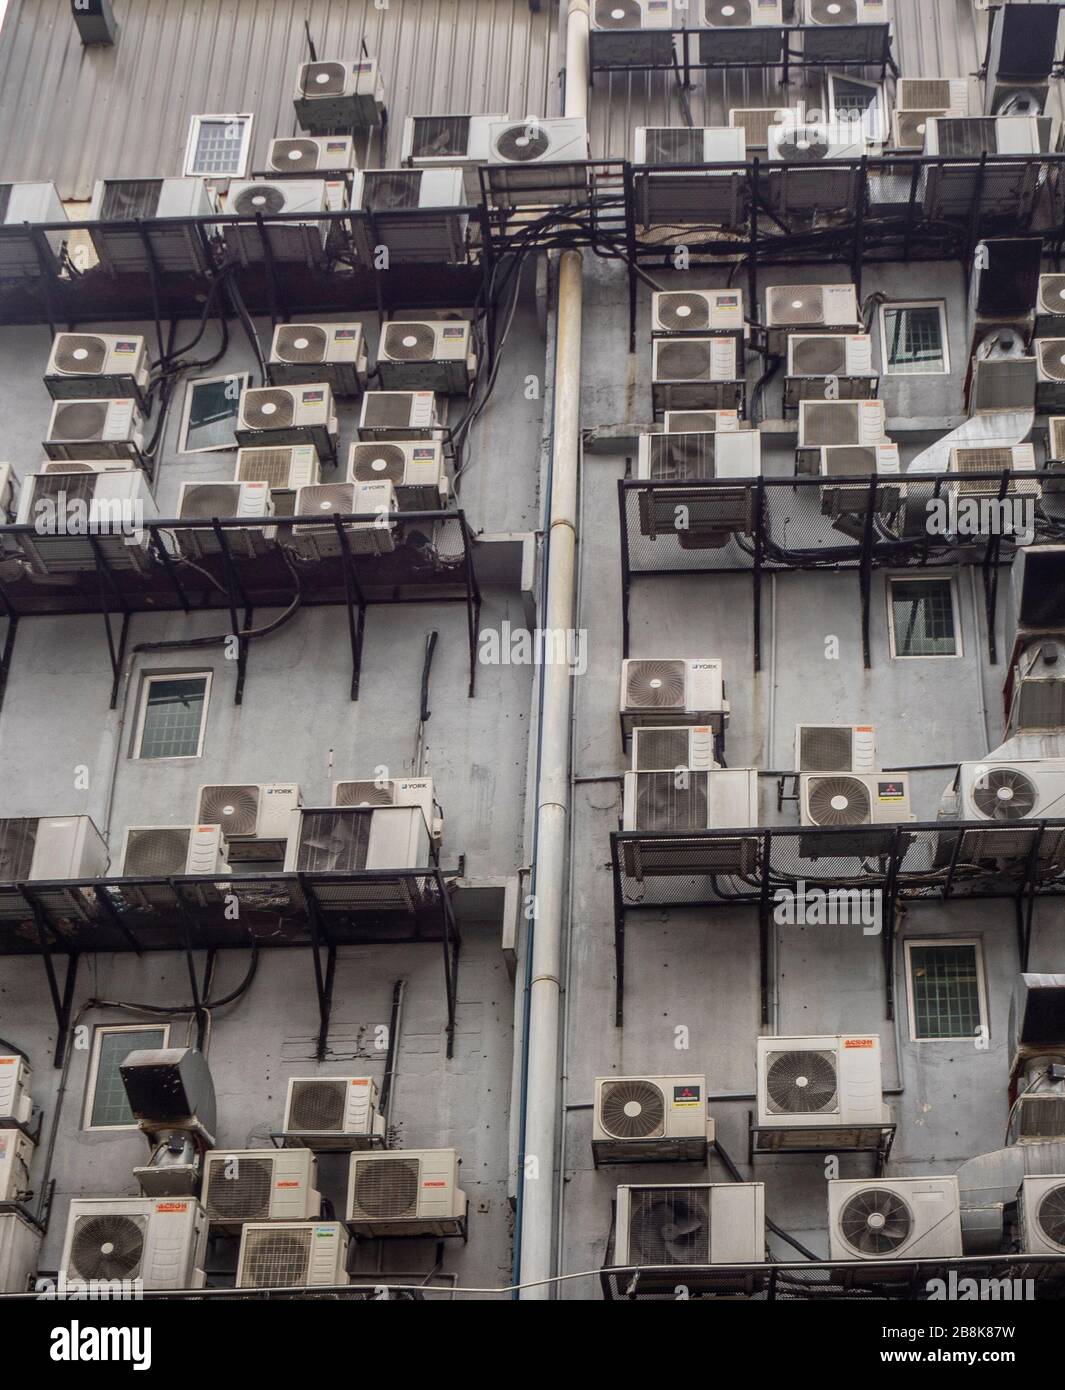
[73, 115]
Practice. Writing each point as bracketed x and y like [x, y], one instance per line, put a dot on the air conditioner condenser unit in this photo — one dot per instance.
[1014, 791]
[160, 1242]
[843, 501]
[853, 799]
[1041, 1215]
[411, 215]
[165, 851]
[375, 534]
[249, 810]
[96, 428]
[685, 800]
[411, 1192]
[399, 415]
[158, 243]
[688, 1227]
[670, 196]
[241, 1185]
[820, 362]
[743, 32]
[633, 33]
[16, 1158]
[306, 353]
[312, 154]
[339, 94]
[647, 1119]
[982, 472]
[86, 365]
[835, 748]
[48, 848]
[1050, 307]
[456, 141]
[20, 256]
[706, 517]
[16, 1103]
[894, 1218]
[1050, 361]
[354, 839]
[697, 374]
[334, 1112]
[671, 692]
[436, 355]
[393, 791]
[697, 311]
[810, 309]
[824, 1090]
[414, 467]
[826, 423]
[206, 503]
[86, 515]
[292, 1255]
[538, 163]
[20, 1245]
[284, 469]
[701, 422]
[289, 415]
[256, 240]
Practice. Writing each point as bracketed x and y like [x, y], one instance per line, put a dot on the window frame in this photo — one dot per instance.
[955, 605]
[196, 124]
[885, 355]
[94, 1070]
[186, 412]
[877, 88]
[160, 678]
[981, 984]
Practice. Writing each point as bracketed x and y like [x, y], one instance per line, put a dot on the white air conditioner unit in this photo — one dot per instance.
[919, 99]
[826, 423]
[67, 508]
[667, 196]
[298, 242]
[284, 469]
[1003, 383]
[1056, 438]
[697, 311]
[209, 502]
[1038, 690]
[335, 1112]
[894, 1218]
[20, 1245]
[757, 123]
[660, 750]
[638, 1119]
[841, 13]
[121, 249]
[981, 471]
[398, 415]
[249, 810]
[16, 1156]
[86, 466]
[436, 355]
[159, 1241]
[408, 1193]
[1022, 790]
[970, 137]
[292, 1255]
[396, 791]
[410, 215]
[459, 141]
[83, 365]
[312, 154]
[305, 353]
[706, 517]
[1041, 1215]
[701, 422]
[414, 467]
[355, 839]
[536, 163]
[846, 799]
[814, 143]
[844, 501]
[1050, 306]
[16, 1103]
[829, 1084]
[807, 308]
[1050, 360]
[241, 1185]
[85, 429]
[374, 536]
[667, 145]
[835, 748]
[50, 848]
[724, 798]
[821, 355]
[633, 33]
[339, 94]
[699, 456]
[164, 851]
[289, 415]
[689, 1225]
[696, 373]
[673, 692]
[34, 203]
[745, 33]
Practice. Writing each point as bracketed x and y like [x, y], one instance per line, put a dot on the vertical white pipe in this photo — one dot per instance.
[553, 789]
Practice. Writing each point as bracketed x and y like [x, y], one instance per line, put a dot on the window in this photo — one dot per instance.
[923, 618]
[945, 988]
[210, 415]
[106, 1106]
[172, 716]
[218, 147]
[914, 339]
[852, 102]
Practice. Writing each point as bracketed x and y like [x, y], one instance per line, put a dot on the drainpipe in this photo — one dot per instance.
[540, 1108]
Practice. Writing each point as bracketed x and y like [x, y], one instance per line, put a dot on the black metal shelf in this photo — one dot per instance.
[845, 1139]
[911, 862]
[432, 563]
[187, 913]
[764, 46]
[795, 526]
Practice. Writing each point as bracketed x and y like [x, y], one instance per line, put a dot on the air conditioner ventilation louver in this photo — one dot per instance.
[209, 500]
[801, 1083]
[437, 137]
[1052, 358]
[820, 356]
[618, 14]
[298, 156]
[130, 200]
[386, 1189]
[323, 79]
[301, 343]
[663, 748]
[1051, 1215]
[80, 420]
[632, 1110]
[839, 801]
[371, 463]
[409, 342]
[681, 359]
[318, 1106]
[928, 94]
[270, 410]
[1005, 794]
[81, 352]
[17, 840]
[832, 11]
[243, 1194]
[234, 808]
[680, 146]
[276, 1259]
[259, 198]
[663, 805]
[365, 794]
[392, 191]
[824, 748]
[332, 843]
[271, 466]
[108, 1247]
[684, 313]
[655, 685]
[797, 307]
[522, 143]
[669, 1226]
[156, 853]
[876, 1221]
